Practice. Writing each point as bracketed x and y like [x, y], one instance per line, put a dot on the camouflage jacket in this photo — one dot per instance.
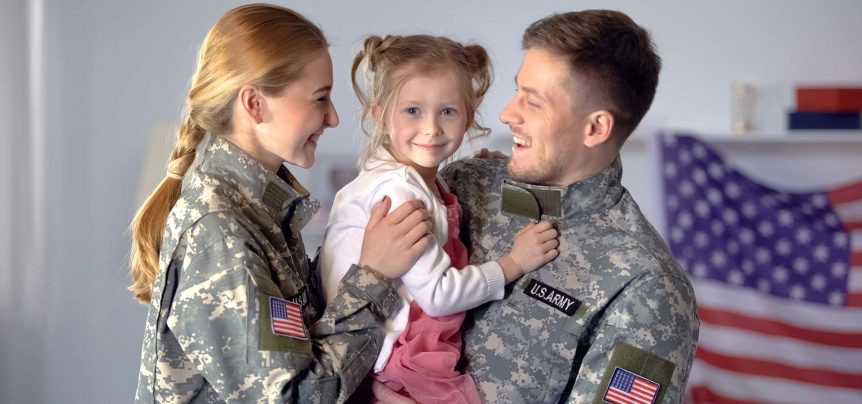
[237, 314]
[613, 306]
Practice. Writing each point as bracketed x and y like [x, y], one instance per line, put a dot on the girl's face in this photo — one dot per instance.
[293, 120]
[428, 121]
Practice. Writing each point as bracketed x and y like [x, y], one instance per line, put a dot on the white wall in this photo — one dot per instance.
[22, 336]
[114, 71]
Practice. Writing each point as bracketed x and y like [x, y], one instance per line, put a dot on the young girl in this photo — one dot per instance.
[236, 313]
[422, 95]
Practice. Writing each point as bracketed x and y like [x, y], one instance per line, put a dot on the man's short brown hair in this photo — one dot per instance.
[611, 52]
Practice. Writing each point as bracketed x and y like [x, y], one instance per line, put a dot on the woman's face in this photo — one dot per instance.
[293, 120]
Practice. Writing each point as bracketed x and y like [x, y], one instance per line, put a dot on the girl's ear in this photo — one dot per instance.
[376, 113]
[252, 103]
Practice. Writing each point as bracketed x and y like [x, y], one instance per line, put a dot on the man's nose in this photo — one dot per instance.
[509, 115]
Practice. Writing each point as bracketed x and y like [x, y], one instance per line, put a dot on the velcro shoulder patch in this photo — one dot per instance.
[280, 325]
[634, 375]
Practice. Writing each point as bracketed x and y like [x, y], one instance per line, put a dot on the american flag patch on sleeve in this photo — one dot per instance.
[286, 318]
[630, 388]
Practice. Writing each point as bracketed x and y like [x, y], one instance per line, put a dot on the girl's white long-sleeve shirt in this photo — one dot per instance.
[437, 287]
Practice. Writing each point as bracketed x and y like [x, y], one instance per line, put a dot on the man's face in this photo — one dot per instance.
[547, 124]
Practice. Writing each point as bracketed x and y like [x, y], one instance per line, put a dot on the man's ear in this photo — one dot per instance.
[252, 103]
[600, 125]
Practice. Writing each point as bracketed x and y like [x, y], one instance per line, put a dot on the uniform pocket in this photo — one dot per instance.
[540, 337]
[319, 391]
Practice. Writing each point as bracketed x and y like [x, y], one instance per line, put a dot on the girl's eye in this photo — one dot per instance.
[448, 111]
[412, 110]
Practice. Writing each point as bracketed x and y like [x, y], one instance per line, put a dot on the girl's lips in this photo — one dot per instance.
[427, 146]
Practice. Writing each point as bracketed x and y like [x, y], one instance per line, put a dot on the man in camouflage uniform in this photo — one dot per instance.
[613, 317]
[232, 264]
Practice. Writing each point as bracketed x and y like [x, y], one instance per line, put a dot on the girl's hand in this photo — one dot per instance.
[488, 154]
[535, 244]
[385, 395]
[393, 242]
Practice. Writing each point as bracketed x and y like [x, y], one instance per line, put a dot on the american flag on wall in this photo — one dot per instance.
[778, 281]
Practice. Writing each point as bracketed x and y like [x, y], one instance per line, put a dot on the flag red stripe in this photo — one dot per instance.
[850, 226]
[641, 396]
[645, 384]
[289, 332]
[854, 299]
[288, 325]
[623, 396]
[846, 194]
[780, 370]
[292, 324]
[643, 393]
[856, 258]
[618, 397]
[615, 395]
[777, 328]
[703, 394]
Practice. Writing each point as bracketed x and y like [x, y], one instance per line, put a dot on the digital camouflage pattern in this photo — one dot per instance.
[231, 241]
[635, 303]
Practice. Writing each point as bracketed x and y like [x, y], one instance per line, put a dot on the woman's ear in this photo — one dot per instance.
[252, 103]
[600, 125]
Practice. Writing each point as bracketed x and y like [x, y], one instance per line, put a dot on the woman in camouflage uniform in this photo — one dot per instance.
[236, 313]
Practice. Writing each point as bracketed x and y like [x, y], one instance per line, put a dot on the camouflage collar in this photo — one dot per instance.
[276, 193]
[563, 203]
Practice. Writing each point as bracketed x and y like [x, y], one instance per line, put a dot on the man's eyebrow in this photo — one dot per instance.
[529, 90]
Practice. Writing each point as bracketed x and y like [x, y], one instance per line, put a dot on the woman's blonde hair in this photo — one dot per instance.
[259, 44]
[388, 63]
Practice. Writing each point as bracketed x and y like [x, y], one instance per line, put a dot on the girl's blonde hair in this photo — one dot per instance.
[259, 44]
[388, 63]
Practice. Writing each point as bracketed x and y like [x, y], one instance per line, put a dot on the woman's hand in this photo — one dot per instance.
[393, 242]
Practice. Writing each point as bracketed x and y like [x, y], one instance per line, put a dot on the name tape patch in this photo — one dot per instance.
[552, 297]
